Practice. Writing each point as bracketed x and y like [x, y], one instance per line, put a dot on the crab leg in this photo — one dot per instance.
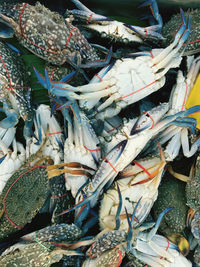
[165, 56]
[86, 14]
[185, 144]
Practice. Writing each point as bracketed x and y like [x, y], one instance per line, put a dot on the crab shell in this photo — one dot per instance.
[22, 197]
[192, 187]
[48, 35]
[14, 82]
[171, 193]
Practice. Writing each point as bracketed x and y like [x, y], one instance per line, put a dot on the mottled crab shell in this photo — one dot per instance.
[48, 35]
[171, 193]
[197, 255]
[105, 242]
[193, 187]
[170, 29]
[61, 199]
[33, 254]
[56, 233]
[195, 225]
[22, 197]
[14, 82]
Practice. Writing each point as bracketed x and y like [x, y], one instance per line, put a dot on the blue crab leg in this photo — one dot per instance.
[155, 228]
[155, 11]
[185, 122]
[65, 110]
[185, 144]
[86, 13]
[66, 90]
[151, 32]
[130, 223]
[180, 38]
[117, 217]
[98, 63]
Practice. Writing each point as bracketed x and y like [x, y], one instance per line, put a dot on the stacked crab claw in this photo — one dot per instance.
[99, 161]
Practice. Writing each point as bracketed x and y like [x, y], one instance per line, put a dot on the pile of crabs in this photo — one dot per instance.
[115, 168]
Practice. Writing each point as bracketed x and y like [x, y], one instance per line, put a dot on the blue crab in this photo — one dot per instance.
[14, 89]
[43, 247]
[117, 31]
[122, 154]
[49, 35]
[110, 247]
[169, 30]
[176, 137]
[126, 81]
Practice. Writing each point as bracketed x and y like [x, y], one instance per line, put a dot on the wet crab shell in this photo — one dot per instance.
[197, 255]
[22, 197]
[61, 199]
[170, 28]
[171, 193]
[48, 35]
[32, 253]
[14, 82]
[193, 188]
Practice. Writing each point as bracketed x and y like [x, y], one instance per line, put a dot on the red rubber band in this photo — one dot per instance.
[20, 17]
[59, 196]
[98, 77]
[120, 258]
[114, 128]
[111, 165]
[151, 54]
[4, 206]
[88, 20]
[70, 36]
[55, 133]
[97, 149]
[89, 253]
[137, 90]
[139, 165]
[167, 245]
[153, 122]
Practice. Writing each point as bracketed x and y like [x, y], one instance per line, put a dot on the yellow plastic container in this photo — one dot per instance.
[194, 99]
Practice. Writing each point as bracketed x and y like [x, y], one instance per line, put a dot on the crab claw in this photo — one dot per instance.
[151, 33]
[154, 10]
[158, 222]
[181, 242]
[190, 216]
[149, 119]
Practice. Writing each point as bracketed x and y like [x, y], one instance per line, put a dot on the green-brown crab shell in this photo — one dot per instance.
[33, 254]
[22, 197]
[171, 193]
[193, 187]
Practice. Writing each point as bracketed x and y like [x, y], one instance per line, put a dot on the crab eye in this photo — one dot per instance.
[103, 34]
[125, 41]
